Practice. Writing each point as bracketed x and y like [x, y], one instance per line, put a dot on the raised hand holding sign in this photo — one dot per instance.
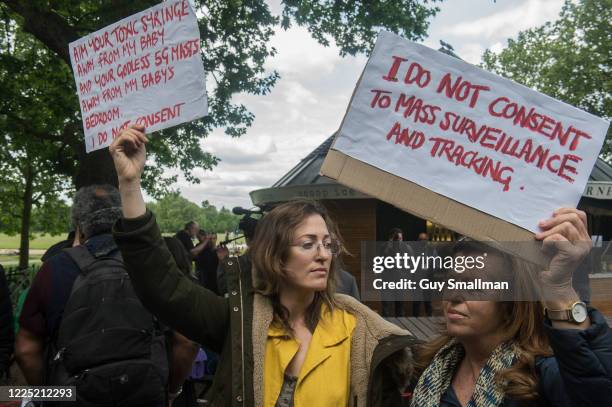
[129, 155]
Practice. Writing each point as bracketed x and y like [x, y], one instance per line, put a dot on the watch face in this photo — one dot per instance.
[579, 312]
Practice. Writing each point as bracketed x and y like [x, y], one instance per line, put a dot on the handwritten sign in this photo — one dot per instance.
[145, 69]
[468, 134]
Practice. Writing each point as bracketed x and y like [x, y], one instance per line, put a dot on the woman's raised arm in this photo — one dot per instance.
[177, 301]
[129, 155]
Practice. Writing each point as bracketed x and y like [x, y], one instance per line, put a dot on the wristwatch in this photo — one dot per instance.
[577, 313]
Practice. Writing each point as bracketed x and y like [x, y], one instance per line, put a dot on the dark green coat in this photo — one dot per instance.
[236, 327]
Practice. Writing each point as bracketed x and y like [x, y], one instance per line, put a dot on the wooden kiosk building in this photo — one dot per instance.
[364, 218]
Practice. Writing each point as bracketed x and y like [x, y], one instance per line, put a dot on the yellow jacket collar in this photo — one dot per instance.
[331, 325]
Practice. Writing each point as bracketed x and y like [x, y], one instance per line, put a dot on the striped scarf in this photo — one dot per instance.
[438, 376]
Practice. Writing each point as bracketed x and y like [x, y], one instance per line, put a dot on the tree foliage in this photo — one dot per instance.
[236, 44]
[35, 112]
[568, 59]
[52, 218]
[173, 212]
[354, 25]
[40, 120]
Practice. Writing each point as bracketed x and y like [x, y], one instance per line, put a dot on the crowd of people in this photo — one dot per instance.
[119, 313]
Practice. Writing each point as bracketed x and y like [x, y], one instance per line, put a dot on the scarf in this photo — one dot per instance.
[438, 376]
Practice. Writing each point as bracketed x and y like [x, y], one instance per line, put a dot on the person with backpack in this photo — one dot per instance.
[82, 324]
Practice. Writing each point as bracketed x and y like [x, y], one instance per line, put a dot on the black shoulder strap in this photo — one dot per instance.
[106, 248]
[81, 256]
[84, 258]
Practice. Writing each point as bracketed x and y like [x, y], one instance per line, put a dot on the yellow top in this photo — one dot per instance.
[324, 379]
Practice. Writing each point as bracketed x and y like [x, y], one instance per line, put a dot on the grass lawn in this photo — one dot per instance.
[39, 242]
[43, 242]
[12, 261]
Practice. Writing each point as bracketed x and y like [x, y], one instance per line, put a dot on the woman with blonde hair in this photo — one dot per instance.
[285, 338]
[494, 353]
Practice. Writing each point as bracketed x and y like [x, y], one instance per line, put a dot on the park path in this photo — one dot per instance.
[16, 251]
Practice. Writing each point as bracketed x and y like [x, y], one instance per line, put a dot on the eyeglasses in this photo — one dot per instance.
[332, 247]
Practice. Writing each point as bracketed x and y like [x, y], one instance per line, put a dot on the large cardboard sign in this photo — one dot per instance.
[145, 69]
[439, 138]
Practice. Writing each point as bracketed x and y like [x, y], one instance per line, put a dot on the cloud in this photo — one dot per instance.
[296, 48]
[241, 150]
[248, 180]
[229, 190]
[507, 22]
[471, 52]
[497, 47]
[297, 94]
[309, 101]
[471, 26]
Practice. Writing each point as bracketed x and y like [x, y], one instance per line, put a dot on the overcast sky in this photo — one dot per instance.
[308, 102]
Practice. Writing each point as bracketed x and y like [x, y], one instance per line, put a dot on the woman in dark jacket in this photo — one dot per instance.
[496, 353]
[285, 337]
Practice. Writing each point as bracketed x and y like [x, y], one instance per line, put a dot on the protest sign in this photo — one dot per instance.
[465, 148]
[145, 69]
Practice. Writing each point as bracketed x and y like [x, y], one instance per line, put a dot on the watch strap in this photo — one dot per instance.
[564, 314]
[559, 314]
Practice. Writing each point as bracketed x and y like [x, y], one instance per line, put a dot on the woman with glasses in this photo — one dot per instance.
[285, 338]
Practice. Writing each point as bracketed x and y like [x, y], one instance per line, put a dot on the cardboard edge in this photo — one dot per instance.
[429, 205]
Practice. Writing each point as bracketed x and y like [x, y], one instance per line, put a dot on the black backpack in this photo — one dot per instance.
[107, 345]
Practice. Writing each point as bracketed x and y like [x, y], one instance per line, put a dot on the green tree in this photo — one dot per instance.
[209, 217]
[40, 119]
[51, 217]
[235, 37]
[568, 59]
[33, 119]
[222, 220]
[173, 211]
[28, 185]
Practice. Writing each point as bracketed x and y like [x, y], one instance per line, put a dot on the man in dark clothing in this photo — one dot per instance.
[428, 250]
[187, 235]
[207, 261]
[347, 284]
[95, 210]
[393, 301]
[6, 326]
